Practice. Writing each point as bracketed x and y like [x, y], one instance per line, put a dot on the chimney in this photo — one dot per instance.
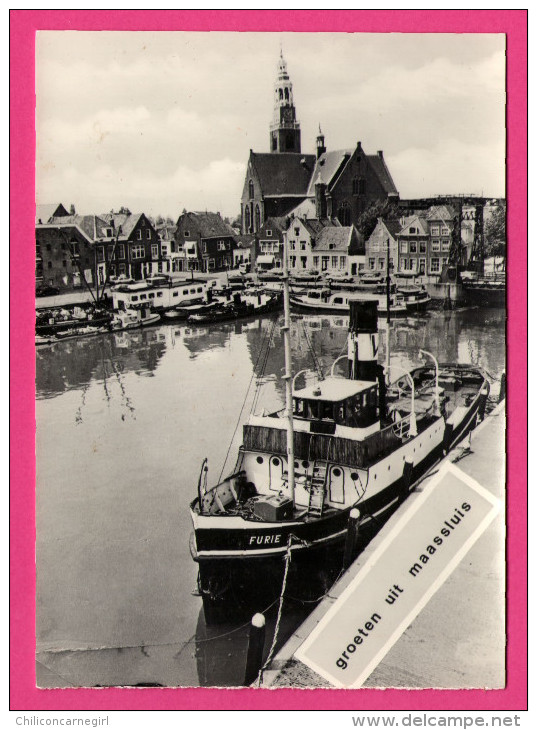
[363, 340]
[379, 154]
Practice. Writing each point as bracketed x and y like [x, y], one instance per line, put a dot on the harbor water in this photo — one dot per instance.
[124, 421]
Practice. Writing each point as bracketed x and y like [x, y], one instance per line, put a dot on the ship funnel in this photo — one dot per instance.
[363, 340]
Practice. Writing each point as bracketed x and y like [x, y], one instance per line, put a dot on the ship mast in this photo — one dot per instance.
[286, 329]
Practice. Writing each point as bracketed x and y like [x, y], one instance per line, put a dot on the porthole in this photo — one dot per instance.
[259, 459]
[336, 472]
[354, 476]
[275, 461]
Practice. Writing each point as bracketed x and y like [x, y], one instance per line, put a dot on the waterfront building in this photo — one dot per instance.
[129, 247]
[381, 246]
[166, 235]
[341, 183]
[424, 241]
[321, 245]
[242, 254]
[204, 242]
[269, 243]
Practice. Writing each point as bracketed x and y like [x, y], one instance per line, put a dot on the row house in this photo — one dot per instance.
[382, 247]
[127, 245]
[321, 245]
[64, 252]
[204, 242]
[424, 241]
[166, 235]
[269, 243]
[242, 254]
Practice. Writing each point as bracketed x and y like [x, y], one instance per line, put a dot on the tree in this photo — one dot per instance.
[495, 238]
[379, 209]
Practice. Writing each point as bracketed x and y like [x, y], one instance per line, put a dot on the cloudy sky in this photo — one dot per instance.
[163, 121]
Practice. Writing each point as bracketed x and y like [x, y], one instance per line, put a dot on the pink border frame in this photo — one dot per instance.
[23, 24]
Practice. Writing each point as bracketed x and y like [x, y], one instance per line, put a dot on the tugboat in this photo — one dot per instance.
[344, 442]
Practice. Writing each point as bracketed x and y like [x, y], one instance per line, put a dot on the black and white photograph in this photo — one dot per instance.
[270, 330]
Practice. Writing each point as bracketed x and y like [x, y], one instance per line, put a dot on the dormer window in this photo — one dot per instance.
[187, 234]
[297, 231]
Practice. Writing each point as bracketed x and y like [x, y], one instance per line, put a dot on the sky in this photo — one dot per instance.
[163, 121]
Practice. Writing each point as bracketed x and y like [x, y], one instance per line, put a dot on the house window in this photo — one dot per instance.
[110, 253]
[292, 245]
[297, 231]
[342, 262]
[435, 230]
[315, 262]
[122, 269]
[444, 261]
[324, 262]
[371, 263]
[404, 247]
[445, 244]
[269, 232]
[412, 230]
[139, 234]
[292, 261]
[304, 261]
[148, 234]
[423, 246]
[334, 262]
[137, 251]
[422, 266]
[381, 263]
[413, 264]
[435, 265]
[221, 245]
[74, 248]
[302, 245]
[436, 244]
[100, 253]
[404, 264]
[154, 251]
[413, 247]
[445, 231]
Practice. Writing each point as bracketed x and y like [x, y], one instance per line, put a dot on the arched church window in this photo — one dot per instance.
[251, 189]
[286, 93]
[355, 186]
[257, 218]
[247, 219]
[281, 93]
[289, 141]
[344, 214]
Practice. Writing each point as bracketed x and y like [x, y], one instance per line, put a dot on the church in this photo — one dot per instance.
[338, 185]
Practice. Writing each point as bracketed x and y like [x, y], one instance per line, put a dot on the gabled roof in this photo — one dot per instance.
[285, 174]
[245, 241]
[415, 221]
[440, 213]
[92, 225]
[340, 238]
[381, 170]
[327, 167]
[126, 221]
[44, 212]
[211, 225]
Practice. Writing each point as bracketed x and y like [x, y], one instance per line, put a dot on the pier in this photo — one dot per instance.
[458, 638]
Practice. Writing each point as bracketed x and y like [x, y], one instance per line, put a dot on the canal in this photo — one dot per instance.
[124, 421]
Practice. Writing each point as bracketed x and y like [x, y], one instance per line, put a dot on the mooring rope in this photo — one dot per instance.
[280, 607]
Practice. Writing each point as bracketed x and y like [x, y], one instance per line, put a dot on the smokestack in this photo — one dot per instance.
[363, 340]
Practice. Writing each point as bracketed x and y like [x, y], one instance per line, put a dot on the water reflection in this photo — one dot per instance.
[123, 423]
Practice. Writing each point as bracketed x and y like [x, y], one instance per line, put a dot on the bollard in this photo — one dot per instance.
[351, 541]
[256, 643]
[502, 387]
[408, 469]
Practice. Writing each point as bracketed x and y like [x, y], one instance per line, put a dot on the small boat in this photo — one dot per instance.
[415, 297]
[132, 318]
[241, 305]
[325, 300]
[343, 442]
[307, 276]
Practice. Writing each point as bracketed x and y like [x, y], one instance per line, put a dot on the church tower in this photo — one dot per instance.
[284, 129]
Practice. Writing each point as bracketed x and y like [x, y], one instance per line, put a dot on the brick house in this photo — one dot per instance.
[269, 243]
[440, 219]
[382, 246]
[137, 253]
[424, 241]
[204, 241]
[65, 252]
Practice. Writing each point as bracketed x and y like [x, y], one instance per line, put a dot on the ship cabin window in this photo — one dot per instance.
[359, 411]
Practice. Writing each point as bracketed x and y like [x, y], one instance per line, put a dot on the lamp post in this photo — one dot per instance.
[413, 430]
[436, 389]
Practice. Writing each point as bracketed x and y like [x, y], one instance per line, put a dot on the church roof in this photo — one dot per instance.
[284, 174]
[326, 168]
[381, 170]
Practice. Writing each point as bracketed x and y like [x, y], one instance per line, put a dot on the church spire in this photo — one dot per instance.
[284, 129]
[321, 148]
